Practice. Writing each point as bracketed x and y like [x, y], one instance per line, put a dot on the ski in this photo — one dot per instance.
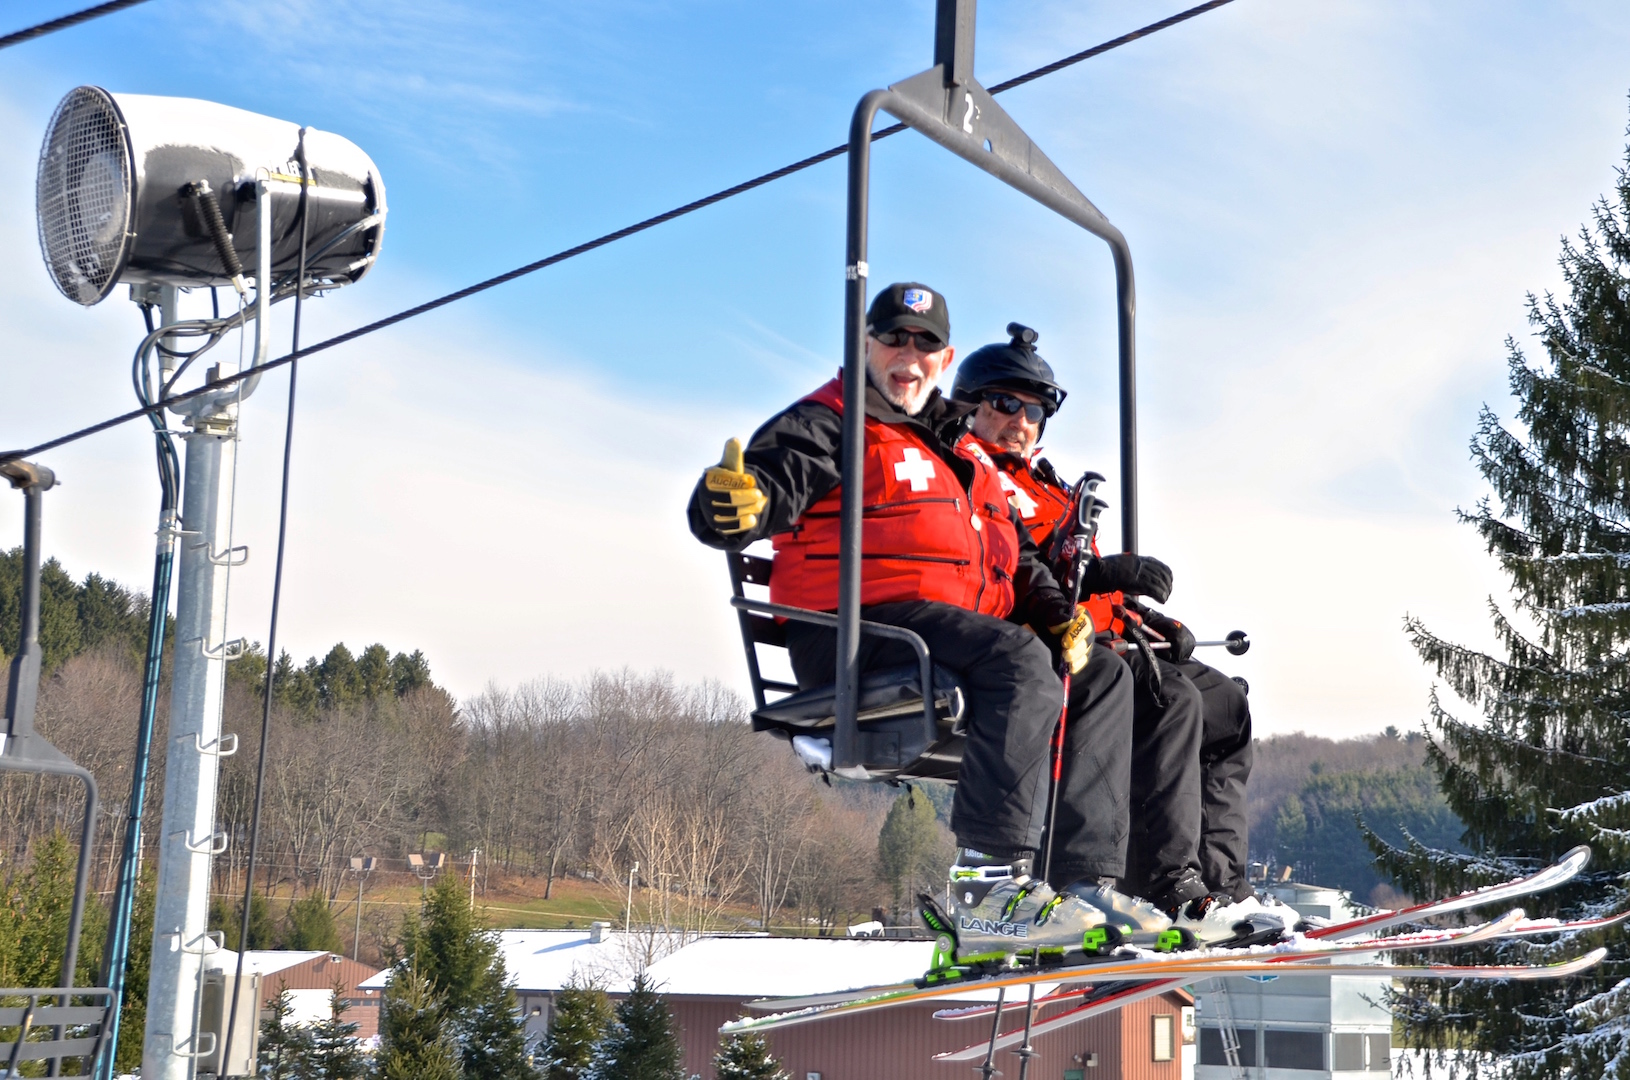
[1126, 993]
[1195, 971]
[1191, 965]
[1541, 880]
[1558, 873]
[1518, 928]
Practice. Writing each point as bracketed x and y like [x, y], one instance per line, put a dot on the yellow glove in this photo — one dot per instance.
[743, 502]
[1075, 639]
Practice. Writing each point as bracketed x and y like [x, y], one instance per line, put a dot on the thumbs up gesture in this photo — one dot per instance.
[742, 502]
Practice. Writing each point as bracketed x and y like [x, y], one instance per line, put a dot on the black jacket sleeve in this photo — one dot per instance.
[1037, 599]
[796, 459]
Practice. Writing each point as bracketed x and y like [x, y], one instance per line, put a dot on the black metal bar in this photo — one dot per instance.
[925, 662]
[22, 692]
[737, 588]
[845, 735]
[953, 39]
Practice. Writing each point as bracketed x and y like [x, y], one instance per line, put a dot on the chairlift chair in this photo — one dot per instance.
[907, 722]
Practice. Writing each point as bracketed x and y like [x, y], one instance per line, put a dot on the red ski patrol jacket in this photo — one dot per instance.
[926, 535]
[1042, 500]
[937, 522]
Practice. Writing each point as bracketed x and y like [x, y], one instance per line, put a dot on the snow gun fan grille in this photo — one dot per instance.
[84, 195]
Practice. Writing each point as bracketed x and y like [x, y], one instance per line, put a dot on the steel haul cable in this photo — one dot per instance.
[584, 248]
[66, 21]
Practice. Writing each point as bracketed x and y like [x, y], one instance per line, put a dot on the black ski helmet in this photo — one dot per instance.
[1013, 366]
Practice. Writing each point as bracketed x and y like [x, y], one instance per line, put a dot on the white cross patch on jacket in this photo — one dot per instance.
[914, 469]
[1016, 495]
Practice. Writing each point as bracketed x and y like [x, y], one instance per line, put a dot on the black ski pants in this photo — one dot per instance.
[1166, 785]
[1225, 768]
[1014, 698]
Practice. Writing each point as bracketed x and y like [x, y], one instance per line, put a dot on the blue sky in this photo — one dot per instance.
[1335, 210]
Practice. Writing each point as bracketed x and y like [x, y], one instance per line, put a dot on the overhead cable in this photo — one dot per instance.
[584, 248]
[66, 21]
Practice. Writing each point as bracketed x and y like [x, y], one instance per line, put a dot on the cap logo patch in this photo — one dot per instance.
[918, 300]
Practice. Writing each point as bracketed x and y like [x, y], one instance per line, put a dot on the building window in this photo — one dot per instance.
[1294, 1049]
[1347, 1051]
[1381, 1052]
[1211, 1047]
[1164, 1036]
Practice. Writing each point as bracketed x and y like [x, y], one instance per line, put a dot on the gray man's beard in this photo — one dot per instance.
[899, 401]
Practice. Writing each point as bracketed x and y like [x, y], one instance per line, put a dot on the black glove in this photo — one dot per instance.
[1175, 633]
[1135, 575]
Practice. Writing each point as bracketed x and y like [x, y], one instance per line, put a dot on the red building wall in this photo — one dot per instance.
[322, 973]
[899, 1043]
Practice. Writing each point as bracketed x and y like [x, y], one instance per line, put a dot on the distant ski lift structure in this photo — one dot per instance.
[167, 194]
[74, 1032]
[907, 722]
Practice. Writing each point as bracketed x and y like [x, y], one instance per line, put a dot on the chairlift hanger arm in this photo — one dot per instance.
[947, 104]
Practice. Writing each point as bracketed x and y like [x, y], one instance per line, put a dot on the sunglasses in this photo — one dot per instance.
[1008, 405]
[926, 342]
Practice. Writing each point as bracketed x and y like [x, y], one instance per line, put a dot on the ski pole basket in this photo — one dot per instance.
[899, 732]
[38, 1026]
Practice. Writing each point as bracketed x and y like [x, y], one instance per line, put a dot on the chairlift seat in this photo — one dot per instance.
[893, 739]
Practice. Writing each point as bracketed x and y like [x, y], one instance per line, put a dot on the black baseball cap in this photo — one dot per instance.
[909, 303]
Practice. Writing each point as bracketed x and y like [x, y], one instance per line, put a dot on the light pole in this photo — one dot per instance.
[628, 911]
[361, 866]
[426, 865]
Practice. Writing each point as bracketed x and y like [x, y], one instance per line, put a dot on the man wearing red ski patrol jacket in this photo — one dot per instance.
[946, 556]
[926, 535]
[1192, 739]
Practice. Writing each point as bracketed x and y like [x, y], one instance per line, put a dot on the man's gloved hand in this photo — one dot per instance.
[1075, 639]
[742, 501]
[1135, 575]
[1175, 633]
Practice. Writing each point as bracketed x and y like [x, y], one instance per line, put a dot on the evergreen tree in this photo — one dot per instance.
[34, 921]
[415, 1040]
[582, 1016]
[458, 960]
[641, 1045]
[334, 1053]
[1550, 765]
[310, 925]
[746, 1057]
[913, 849]
[285, 1048]
[225, 915]
[493, 1035]
[449, 946]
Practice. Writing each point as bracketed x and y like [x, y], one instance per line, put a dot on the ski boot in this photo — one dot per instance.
[1140, 922]
[1219, 920]
[1001, 916]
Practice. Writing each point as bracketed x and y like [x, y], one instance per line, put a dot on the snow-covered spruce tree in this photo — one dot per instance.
[414, 1040]
[335, 1053]
[1549, 766]
[582, 1016]
[285, 1048]
[746, 1057]
[641, 1045]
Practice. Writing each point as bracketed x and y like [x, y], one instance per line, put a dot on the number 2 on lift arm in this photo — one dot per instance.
[968, 117]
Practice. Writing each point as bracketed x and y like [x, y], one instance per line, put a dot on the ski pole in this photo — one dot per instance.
[1237, 642]
[1084, 527]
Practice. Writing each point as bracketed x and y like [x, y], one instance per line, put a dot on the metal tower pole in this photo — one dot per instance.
[188, 836]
